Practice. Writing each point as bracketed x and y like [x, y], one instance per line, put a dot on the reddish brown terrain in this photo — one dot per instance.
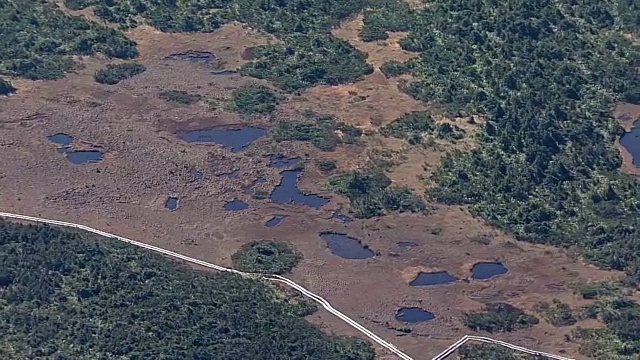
[145, 162]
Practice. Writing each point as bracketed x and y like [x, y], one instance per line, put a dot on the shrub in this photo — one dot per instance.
[320, 130]
[113, 74]
[6, 88]
[500, 317]
[254, 99]
[268, 257]
[557, 313]
[326, 165]
[181, 97]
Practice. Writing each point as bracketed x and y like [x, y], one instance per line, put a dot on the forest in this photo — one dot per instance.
[66, 295]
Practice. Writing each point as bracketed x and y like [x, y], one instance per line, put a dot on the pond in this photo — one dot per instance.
[287, 191]
[278, 161]
[433, 278]
[172, 203]
[414, 315]
[235, 139]
[236, 205]
[61, 139]
[275, 220]
[224, 72]
[631, 142]
[84, 156]
[406, 245]
[487, 270]
[346, 247]
[193, 55]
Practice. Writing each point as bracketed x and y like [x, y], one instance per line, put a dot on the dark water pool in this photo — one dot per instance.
[61, 139]
[193, 55]
[631, 142]
[278, 161]
[346, 247]
[288, 192]
[84, 156]
[171, 203]
[487, 270]
[406, 245]
[414, 315]
[275, 220]
[224, 72]
[236, 205]
[235, 139]
[433, 278]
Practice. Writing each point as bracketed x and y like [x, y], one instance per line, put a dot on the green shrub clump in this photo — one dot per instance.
[326, 165]
[500, 317]
[320, 130]
[180, 97]
[371, 194]
[267, 257]
[113, 74]
[557, 313]
[6, 88]
[411, 126]
[254, 99]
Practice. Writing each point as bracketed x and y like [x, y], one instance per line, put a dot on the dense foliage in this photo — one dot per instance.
[557, 313]
[619, 339]
[414, 125]
[267, 257]
[546, 168]
[38, 40]
[180, 96]
[303, 61]
[69, 296]
[500, 317]
[253, 99]
[326, 165]
[113, 74]
[5, 87]
[320, 130]
[372, 194]
[493, 352]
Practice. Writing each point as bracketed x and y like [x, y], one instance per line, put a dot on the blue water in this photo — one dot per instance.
[275, 220]
[278, 161]
[235, 139]
[287, 191]
[192, 55]
[346, 247]
[236, 205]
[487, 270]
[61, 139]
[433, 278]
[414, 315]
[84, 156]
[631, 142]
[172, 203]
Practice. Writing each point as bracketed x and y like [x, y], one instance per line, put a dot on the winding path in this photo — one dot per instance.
[325, 304]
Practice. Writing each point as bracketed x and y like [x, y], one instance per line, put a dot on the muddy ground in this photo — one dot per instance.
[145, 162]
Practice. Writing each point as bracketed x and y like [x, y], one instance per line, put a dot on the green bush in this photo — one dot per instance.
[371, 194]
[6, 88]
[326, 165]
[267, 257]
[113, 74]
[61, 290]
[500, 317]
[39, 40]
[181, 97]
[557, 313]
[411, 126]
[320, 130]
[254, 99]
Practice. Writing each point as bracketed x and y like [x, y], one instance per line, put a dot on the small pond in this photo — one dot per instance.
[340, 216]
[487, 270]
[84, 156]
[287, 191]
[235, 139]
[236, 205]
[346, 247]
[406, 245]
[278, 161]
[61, 139]
[414, 315]
[195, 56]
[433, 278]
[224, 72]
[171, 203]
[631, 142]
[275, 220]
